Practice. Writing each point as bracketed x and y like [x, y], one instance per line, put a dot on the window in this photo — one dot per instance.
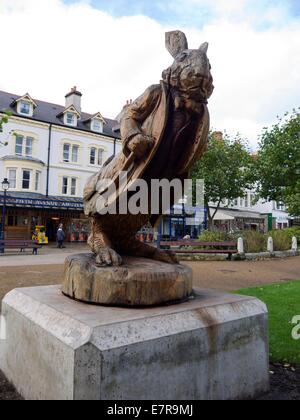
[70, 153]
[97, 125]
[280, 206]
[75, 150]
[247, 201]
[28, 146]
[12, 178]
[26, 180]
[73, 186]
[96, 156]
[37, 180]
[65, 186]
[24, 146]
[69, 186]
[100, 157]
[19, 145]
[25, 108]
[93, 156]
[70, 118]
[67, 152]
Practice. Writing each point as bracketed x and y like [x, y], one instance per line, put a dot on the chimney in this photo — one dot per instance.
[74, 98]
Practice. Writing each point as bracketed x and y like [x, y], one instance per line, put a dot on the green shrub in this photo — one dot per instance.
[213, 236]
[282, 240]
[293, 232]
[254, 241]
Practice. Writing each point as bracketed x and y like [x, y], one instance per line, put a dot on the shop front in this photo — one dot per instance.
[26, 213]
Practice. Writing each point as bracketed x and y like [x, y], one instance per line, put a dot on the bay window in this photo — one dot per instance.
[26, 176]
[37, 180]
[12, 178]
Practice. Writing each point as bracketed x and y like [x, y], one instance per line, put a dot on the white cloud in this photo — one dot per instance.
[50, 47]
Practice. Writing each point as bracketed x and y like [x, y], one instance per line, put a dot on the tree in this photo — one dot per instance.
[226, 169]
[278, 163]
[3, 120]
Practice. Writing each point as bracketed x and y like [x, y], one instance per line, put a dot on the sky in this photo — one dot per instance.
[113, 50]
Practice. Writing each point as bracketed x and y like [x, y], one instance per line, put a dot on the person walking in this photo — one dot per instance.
[35, 243]
[60, 237]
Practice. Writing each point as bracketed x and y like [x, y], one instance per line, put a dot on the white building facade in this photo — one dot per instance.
[248, 213]
[50, 151]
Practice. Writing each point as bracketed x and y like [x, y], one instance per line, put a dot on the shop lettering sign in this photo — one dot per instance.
[28, 202]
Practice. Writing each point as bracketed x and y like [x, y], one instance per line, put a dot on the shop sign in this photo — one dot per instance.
[42, 203]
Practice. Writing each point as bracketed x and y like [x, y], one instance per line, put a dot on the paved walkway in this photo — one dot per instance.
[47, 268]
[46, 256]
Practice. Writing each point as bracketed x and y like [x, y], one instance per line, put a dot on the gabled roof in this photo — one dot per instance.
[48, 113]
[25, 97]
[97, 116]
[71, 108]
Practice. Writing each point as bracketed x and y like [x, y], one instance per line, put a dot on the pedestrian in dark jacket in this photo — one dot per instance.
[35, 243]
[60, 237]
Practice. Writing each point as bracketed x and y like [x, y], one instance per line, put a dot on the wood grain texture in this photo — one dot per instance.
[138, 282]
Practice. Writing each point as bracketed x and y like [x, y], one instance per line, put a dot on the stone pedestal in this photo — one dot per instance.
[215, 346]
[138, 282]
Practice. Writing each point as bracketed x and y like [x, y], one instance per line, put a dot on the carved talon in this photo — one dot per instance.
[107, 257]
[167, 257]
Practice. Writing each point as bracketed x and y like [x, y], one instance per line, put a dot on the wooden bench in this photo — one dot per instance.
[180, 247]
[20, 244]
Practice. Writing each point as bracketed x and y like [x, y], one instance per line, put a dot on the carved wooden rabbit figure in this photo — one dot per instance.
[163, 133]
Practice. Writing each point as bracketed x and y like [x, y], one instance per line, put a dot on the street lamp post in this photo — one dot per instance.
[5, 187]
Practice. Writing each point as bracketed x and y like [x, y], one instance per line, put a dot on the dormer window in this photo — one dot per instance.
[25, 108]
[97, 125]
[70, 118]
[25, 105]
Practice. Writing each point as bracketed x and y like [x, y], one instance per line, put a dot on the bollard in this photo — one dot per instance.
[241, 246]
[294, 244]
[270, 245]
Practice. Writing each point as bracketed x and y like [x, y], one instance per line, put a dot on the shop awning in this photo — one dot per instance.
[220, 216]
[27, 200]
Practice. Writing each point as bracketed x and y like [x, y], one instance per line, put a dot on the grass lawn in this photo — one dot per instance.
[283, 302]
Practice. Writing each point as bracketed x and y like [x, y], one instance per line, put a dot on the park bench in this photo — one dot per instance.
[197, 247]
[21, 244]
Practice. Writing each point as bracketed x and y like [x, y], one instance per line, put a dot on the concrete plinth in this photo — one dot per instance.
[213, 347]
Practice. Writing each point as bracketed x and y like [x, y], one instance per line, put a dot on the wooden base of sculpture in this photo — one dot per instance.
[138, 282]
